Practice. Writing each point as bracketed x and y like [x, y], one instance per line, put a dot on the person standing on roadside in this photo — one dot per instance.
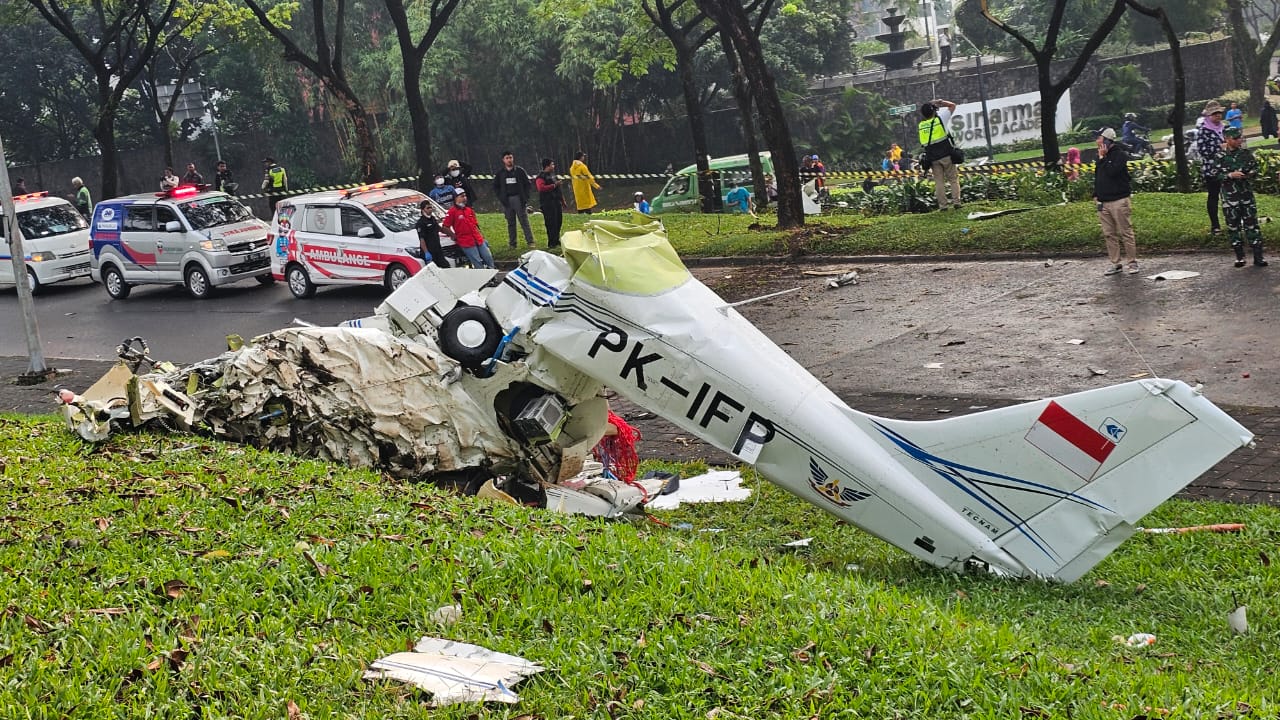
[222, 179]
[551, 201]
[458, 174]
[275, 182]
[192, 177]
[1235, 116]
[442, 192]
[1073, 163]
[169, 180]
[1236, 167]
[429, 229]
[583, 183]
[1111, 190]
[1209, 146]
[1268, 121]
[511, 187]
[935, 116]
[84, 202]
[944, 49]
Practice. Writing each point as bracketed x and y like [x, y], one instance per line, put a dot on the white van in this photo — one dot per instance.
[55, 240]
[185, 236]
[360, 236]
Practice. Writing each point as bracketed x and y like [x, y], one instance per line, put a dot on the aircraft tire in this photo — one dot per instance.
[470, 335]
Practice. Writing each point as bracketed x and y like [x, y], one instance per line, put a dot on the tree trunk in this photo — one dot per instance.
[732, 19]
[742, 94]
[697, 127]
[1049, 98]
[104, 132]
[419, 119]
[369, 171]
[368, 149]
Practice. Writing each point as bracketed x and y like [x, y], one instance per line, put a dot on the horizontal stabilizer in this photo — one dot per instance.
[1059, 483]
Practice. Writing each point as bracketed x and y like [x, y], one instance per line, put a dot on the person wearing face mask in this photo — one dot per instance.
[458, 174]
[429, 230]
[442, 192]
[461, 220]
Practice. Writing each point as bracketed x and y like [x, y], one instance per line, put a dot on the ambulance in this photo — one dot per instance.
[189, 236]
[358, 236]
[55, 241]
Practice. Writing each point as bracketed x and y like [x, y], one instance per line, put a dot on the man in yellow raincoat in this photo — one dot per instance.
[583, 182]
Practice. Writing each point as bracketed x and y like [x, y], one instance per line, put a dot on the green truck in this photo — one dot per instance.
[681, 191]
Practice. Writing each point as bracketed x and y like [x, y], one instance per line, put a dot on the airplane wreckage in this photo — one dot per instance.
[497, 380]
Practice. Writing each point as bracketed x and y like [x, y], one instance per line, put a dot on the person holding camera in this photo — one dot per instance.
[941, 156]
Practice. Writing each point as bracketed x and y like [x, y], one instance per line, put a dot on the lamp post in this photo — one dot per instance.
[982, 95]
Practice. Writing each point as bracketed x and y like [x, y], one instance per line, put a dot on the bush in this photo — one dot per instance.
[1234, 96]
[1034, 187]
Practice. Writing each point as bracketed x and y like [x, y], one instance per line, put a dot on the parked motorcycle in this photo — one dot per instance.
[1188, 140]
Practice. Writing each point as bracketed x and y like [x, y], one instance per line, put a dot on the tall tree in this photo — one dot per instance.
[186, 41]
[413, 51]
[1255, 56]
[732, 18]
[1179, 114]
[742, 95]
[687, 31]
[116, 40]
[1050, 91]
[327, 64]
[46, 97]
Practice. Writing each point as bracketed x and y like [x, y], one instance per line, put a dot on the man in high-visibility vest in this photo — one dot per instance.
[935, 116]
[275, 182]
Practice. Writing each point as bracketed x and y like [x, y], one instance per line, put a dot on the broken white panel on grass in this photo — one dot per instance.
[713, 486]
[1174, 275]
[455, 671]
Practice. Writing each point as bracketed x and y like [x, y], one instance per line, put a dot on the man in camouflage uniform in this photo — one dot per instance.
[1235, 168]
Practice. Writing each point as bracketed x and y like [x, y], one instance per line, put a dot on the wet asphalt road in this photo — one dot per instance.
[1012, 329]
[78, 320]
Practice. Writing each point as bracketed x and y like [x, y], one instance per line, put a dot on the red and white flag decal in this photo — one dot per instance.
[1065, 438]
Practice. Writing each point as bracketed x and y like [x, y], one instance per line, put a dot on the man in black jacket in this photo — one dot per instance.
[511, 186]
[1111, 190]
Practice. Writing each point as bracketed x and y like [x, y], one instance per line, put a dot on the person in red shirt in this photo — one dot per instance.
[466, 230]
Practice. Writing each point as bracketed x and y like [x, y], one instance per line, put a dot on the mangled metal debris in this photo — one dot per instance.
[496, 382]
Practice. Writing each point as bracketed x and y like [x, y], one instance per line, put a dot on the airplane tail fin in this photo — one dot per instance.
[1059, 483]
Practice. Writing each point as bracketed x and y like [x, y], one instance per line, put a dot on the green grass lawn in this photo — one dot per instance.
[176, 577]
[1162, 222]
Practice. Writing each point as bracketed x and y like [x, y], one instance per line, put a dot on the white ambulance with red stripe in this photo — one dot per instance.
[359, 236]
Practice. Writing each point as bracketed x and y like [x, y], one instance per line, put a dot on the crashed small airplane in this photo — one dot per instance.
[473, 372]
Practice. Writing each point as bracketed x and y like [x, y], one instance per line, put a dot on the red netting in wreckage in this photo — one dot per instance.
[618, 452]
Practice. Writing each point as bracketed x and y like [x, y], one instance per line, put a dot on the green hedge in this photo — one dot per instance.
[1035, 186]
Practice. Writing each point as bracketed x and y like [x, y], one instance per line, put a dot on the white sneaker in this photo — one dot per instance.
[1115, 270]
